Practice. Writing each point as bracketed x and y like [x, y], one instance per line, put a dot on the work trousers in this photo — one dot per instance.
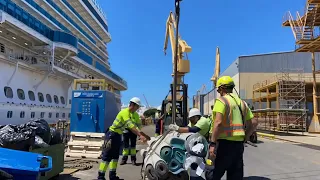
[129, 141]
[110, 156]
[229, 157]
[158, 127]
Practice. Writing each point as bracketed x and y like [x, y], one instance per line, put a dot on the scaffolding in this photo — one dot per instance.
[288, 91]
[305, 30]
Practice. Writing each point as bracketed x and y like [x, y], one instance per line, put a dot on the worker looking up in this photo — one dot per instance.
[130, 140]
[158, 121]
[110, 154]
[229, 133]
[197, 124]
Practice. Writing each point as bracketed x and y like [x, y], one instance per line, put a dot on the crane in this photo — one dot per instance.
[216, 74]
[148, 106]
[183, 65]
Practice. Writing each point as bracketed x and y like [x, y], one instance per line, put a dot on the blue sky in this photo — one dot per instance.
[238, 27]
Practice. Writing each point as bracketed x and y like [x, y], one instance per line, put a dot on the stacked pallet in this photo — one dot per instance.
[85, 145]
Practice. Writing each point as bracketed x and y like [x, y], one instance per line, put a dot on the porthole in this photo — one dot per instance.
[40, 97]
[21, 95]
[8, 92]
[49, 99]
[31, 96]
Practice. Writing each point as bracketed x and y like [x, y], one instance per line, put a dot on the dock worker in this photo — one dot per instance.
[197, 123]
[110, 154]
[130, 140]
[231, 115]
[158, 121]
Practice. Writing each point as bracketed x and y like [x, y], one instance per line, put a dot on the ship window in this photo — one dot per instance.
[40, 96]
[21, 95]
[69, 101]
[68, 115]
[22, 114]
[57, 115]
[62, 100]
[42, 115]
[31, 96]
[63, 115]
[9, 114]
[56, 100]
[33, 114]
[49, 99]
[50, 115]
[8, 92]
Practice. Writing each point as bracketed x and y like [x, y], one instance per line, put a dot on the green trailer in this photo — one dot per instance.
[57, 154]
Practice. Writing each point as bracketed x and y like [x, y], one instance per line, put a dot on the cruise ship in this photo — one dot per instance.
[44, 46]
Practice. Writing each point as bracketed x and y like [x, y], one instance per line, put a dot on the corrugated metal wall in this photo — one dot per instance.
[249, 70]
[273, 63]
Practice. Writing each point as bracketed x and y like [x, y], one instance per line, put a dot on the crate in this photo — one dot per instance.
[56, 152]
[85, 145]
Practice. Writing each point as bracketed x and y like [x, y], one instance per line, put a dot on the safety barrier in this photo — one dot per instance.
[271, 136]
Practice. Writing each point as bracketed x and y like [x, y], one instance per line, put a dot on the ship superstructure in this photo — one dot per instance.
[44, 46]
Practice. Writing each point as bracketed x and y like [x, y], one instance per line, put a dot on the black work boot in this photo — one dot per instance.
[134, 160]
[101, 176]
[113, 176]
[124, 160]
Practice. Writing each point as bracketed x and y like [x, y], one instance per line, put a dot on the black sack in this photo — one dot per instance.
[12, 137]
[41, 128]
[56, 137]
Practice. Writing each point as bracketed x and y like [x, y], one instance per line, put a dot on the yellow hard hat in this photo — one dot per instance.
[226, 81]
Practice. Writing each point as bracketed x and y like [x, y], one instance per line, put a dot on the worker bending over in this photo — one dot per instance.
[130, 140]
[110, 154]
[231, 115]
[158, 121]
[197, 124]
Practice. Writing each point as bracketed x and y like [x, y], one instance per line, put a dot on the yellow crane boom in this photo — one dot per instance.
[183, 48]
[216, 74]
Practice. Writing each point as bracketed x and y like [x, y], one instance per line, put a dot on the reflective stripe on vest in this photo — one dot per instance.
[233, 127]
[117, 124]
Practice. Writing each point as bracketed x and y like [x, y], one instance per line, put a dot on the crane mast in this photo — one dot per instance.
[179, 47]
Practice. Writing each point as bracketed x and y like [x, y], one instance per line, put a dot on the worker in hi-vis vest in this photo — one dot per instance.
[233, 124]
[197, 124]
[158, 121]
[130, 140]
[111, 148]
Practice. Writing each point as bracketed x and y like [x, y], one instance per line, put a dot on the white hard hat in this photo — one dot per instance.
[135, 100]
[194, 112]
[159, 108]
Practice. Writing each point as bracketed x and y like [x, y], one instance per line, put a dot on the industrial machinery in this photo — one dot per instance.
[181, 108]
[179, 48]
[93, 107]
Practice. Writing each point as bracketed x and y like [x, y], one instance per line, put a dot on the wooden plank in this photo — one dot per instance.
[85, 143]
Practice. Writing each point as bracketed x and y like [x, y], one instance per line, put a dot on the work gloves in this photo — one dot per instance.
[107, 145]
[173, 127]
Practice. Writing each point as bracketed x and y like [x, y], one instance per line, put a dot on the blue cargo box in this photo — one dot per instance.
[23, 165]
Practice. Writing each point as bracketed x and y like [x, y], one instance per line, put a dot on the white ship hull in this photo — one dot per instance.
[26, 80]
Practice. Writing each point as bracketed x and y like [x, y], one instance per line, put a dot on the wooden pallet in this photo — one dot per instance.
[85, 145]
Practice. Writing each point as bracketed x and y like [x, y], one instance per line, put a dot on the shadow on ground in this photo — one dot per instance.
[65, 177]
[259, 142]
[256, 178]
[310, 146]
